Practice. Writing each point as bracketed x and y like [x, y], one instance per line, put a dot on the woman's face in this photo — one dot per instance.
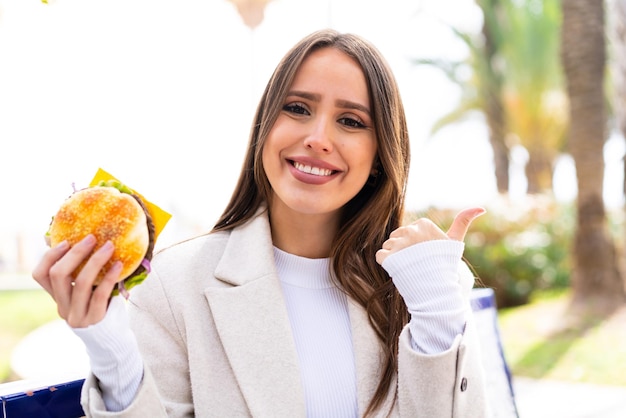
[321, 149]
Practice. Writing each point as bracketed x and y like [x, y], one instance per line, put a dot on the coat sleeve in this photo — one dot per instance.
[447, 384]
[165, 390]
[146, 403]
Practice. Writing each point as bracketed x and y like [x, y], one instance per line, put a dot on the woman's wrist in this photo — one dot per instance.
[114, 356]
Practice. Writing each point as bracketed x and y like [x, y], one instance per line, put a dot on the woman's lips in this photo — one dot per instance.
[311, 173]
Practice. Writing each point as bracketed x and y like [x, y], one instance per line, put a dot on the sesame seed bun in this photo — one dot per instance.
[110, 215]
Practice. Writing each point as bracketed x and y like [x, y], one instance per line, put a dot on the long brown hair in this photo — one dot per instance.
[369, 218]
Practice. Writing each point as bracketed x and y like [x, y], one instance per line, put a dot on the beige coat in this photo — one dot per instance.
[214, 333]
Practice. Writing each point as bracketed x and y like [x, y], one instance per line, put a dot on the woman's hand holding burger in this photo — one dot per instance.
[77, 301]
[101, 241]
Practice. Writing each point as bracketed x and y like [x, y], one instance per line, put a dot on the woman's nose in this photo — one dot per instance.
[320, 139]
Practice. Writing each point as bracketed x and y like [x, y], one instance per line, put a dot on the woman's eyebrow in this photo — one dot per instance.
[348, 104]
[305, 95]
[352, 105]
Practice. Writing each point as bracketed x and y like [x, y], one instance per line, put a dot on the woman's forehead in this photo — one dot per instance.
[332, 71]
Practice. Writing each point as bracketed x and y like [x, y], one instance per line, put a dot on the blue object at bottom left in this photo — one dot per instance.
[57, 401]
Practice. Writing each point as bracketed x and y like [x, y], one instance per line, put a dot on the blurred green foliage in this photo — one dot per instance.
[21, 311]
[518, 248]
[521, 254]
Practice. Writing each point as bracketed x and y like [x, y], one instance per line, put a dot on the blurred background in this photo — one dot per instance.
[514, 105]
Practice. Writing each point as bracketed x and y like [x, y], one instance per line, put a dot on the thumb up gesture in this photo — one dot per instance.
[425, 230]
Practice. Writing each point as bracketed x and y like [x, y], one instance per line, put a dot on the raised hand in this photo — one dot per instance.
[77, 302]
[425, 230]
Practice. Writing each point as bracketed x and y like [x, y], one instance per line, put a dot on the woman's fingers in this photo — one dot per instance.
[381, 255]
[84, 308]
[462, 222]
[77, 301]
[61, 280]
[424, 230]
[101, 295]
[40, 273]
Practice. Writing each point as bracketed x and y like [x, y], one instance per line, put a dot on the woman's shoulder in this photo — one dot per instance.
[194, 261]
[181, 270]
[193, 244]
[214, 242]
[184, 254]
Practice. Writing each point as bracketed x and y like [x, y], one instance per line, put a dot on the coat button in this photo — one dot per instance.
[463, 384]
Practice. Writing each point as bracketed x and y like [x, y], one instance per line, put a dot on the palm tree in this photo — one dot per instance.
[533, 91]
[618, 32]
[516, 83]
[618, 38]
[482, 92]
[595, 279]
[490, 89]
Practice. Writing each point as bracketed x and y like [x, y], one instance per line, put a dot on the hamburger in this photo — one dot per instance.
[111, 212]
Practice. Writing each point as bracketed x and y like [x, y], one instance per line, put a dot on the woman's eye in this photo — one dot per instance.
[352, 123]
[296, 108]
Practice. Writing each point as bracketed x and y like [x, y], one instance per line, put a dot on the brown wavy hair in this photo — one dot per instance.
[367, 219]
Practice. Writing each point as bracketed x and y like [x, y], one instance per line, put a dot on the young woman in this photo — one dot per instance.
[308, 298]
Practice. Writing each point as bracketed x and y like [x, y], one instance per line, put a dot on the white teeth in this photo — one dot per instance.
[316, 171]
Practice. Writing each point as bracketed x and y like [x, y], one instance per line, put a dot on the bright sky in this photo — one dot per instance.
[161, 94]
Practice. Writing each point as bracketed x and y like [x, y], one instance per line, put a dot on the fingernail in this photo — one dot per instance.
[89, 239]
[115, 270]
[63, 245]
[108, 246]
[116, 267]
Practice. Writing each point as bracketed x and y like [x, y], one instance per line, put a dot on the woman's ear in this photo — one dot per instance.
[374, 173]
[376, 168]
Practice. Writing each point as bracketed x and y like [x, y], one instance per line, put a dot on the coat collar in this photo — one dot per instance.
[368, 357]
[249, 252]
[252, 321]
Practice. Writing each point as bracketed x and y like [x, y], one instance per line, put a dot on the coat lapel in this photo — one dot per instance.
[368, 357]
[252, 322]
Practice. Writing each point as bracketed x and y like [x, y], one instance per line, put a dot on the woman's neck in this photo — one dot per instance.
[305, 235]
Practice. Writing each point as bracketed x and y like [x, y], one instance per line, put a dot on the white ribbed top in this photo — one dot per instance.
[320, 323]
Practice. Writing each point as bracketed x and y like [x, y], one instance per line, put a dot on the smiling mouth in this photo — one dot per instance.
[316, 171]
